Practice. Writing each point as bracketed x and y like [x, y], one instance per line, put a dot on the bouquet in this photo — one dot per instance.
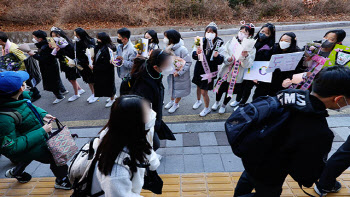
[179, 63]
[312, 49]
[139, 46]
[197, 41]
[9, 62]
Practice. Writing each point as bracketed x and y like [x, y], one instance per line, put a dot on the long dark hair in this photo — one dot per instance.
[61, 33]
[105, 41]
[85, 38]
[153, 35]
[271, 40]
[173, 36]
[293, 45]
[126, 129]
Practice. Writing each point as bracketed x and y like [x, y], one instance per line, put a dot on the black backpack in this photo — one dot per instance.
[251, 129]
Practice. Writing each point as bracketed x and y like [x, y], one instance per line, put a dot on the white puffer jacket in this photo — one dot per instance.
[118, 184]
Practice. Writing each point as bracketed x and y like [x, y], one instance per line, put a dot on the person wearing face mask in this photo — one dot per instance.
[103, 69]
[148, 75]
[83, 42]
[153, 41]
[48, 65]
[179, 82]
[282, 80]
[121, 141]
[126, 52]
[302, 143]
[212, 50]
[265, 41]
[330, 39]
[246, 61]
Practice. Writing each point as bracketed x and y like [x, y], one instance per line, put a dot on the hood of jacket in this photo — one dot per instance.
[302, 101]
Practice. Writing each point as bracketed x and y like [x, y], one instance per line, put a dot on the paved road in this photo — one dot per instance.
[81, 110]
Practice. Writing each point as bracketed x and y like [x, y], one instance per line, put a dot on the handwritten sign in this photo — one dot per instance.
[285, 62]
[258, 72]
[236, 48]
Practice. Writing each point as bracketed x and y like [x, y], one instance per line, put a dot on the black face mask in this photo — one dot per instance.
[119, 41]
[327, 44]
[263, 37]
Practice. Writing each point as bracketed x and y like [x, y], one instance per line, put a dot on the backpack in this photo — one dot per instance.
[12, 113]
[81, 169]
[251, 128]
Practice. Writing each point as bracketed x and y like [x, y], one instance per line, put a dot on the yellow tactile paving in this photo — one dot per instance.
[175, 185]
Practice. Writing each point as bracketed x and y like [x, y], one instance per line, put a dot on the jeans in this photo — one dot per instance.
[59, 171]
[246, 184]
[335, 166]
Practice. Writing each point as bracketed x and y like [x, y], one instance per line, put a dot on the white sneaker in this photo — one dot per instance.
[197, 104]
[169, 105]
[73, 98]
[81, 91]
[58, 100]
[90, 97]
[205, 112]
[174, 108]
[109, 99]
[234, 104]
[159, 156]
[93, 99]
[215, 106]
[110, 103]
[64, 93]
[222, 110]
[234, 109]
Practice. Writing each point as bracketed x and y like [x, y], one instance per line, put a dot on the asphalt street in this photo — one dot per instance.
[82, 110]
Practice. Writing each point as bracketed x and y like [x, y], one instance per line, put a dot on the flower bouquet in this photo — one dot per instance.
[9, 62]
[312, 49]
[179, 63]
[139, 46]
[197, 41]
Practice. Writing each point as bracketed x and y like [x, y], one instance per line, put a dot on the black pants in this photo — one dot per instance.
[336, 165]
[262, 89]
[246, 184]
[35, 92]
[58, 92]
[224, 90]
[156, 141]
[247, 87]
[59, 171]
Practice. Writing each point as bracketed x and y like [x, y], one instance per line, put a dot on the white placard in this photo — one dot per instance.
[248, 44]
[258, 72]
[285, 62]
[236, 48]
[145, 47]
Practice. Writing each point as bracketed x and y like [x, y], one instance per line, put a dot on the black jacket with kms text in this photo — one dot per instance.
[301, 146]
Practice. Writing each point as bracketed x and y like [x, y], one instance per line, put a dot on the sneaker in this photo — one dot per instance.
[222, 110]
[90, 97]
[93, 99]
[35, 98]
[215, 106]
[159, 157]
[81, 91]
[169, 105]
[205, 112]
[109, 99]
[320, 191]
[63, 184]
[58, 100]
[197, 104]
[234, 104]
[65, 92]
[23, 178]
[73, 98]
[110, 103]
[174, 108]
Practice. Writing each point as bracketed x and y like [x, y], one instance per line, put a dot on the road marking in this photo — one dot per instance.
[167, 119]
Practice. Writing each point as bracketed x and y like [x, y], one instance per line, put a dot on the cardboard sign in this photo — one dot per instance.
[285, 62]
[236, 48]
[258, 72]
[339, 56]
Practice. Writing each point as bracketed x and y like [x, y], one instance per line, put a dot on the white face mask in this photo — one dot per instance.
[34, 40]
[343, 108]
[76, 39]
[241, 36]
[166, 41]
[210, 36]
[152, 116]
[284, 45]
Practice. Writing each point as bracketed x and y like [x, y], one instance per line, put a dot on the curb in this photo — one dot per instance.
[232, 31]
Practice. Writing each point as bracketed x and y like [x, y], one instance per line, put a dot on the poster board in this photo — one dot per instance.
[339, 56]
[258, 72]
[285, 62]
[236, 48]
